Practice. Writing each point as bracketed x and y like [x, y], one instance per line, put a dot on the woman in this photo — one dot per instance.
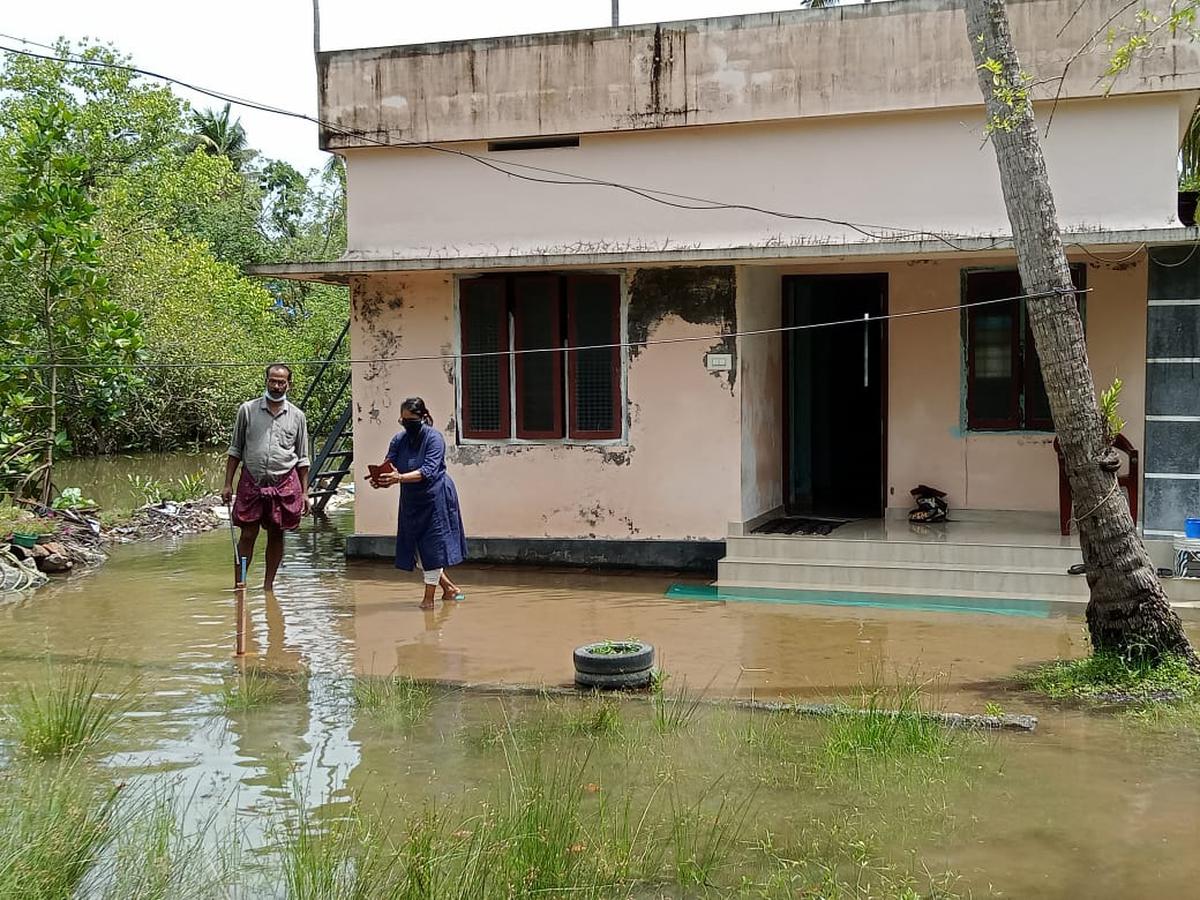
[430, 530]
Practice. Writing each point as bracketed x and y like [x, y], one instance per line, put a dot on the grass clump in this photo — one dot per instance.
[703, 840]
[346, 858]
[549, 722]
[886, 725]
[54, 824]
[1109, 677]
[673, 713]
[393, 696]
[251, 689]
[67, 713]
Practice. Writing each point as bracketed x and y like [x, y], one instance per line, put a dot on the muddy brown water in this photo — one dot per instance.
[1088, 806]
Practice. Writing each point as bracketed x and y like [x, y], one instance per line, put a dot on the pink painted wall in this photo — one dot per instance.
[927, 442]
[701, 454]
[937, 175]
[676, 478]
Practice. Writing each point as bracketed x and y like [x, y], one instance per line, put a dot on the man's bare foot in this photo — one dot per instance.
[425, 605]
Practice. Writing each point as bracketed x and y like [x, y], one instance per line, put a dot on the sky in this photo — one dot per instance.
[263, 49]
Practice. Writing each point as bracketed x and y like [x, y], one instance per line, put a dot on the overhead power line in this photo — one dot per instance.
[453, 357]
[559, 177]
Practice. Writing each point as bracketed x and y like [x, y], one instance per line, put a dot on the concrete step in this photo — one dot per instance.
[887, 577]
[823, 550]
[932, 580]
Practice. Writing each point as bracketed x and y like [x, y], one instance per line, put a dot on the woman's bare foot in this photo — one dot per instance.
[450, 591]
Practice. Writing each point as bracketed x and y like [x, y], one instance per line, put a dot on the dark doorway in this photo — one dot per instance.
[834, 395]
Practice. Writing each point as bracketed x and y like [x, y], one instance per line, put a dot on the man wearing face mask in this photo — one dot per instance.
[270, 440]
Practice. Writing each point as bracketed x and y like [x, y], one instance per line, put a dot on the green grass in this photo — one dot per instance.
[590, 800]
[888, 724]
[54, 823]
[1182, 716]
[703, 839]
[1107, 677]
[250, 690]
[675, 712]
[553, 720]
[392, 696]
[345, 858]
[65, 714]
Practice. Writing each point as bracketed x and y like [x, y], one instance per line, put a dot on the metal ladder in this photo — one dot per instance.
[334, 460]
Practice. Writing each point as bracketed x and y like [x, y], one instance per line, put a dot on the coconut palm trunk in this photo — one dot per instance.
[1128, 612]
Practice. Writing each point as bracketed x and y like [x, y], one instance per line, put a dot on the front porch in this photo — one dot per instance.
[978, 553]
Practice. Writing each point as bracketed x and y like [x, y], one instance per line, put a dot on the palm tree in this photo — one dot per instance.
[1127, 613]
[220, 135]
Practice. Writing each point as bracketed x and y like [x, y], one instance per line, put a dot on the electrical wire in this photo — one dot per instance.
[562, 178]
[454, 357]
[671, 199]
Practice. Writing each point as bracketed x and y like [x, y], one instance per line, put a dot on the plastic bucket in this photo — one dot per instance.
[28, 540]
[1191, 529]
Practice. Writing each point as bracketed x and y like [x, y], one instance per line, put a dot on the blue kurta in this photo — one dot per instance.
[430, 523]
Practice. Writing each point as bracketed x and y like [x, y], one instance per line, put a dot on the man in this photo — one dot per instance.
[270, 440]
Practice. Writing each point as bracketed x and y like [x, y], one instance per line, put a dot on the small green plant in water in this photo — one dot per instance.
[992, 708]
[67, 713]
[152, 491]
[72, 498]
[393, 696]
[250, 690]
[601, 719]
[673, 713]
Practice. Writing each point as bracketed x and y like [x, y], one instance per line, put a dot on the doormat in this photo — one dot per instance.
[799, 525]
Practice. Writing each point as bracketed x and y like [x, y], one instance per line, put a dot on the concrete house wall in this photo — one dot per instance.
[867, 114]
[675, 477]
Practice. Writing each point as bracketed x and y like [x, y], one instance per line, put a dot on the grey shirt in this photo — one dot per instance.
[269, 446]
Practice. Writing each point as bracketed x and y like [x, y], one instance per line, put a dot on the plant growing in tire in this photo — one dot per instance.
[614, 665]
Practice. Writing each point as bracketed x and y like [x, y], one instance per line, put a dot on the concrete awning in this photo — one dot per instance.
[340, 271]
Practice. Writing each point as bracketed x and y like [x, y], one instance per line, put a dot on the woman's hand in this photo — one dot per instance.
[386, 479]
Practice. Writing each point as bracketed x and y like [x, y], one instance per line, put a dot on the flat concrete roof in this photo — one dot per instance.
[846, 60]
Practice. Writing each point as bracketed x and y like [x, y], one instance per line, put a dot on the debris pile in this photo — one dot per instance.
[80, 540]
[168, 519]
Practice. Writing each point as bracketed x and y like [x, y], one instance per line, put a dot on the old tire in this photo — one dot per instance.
[620, 681]
[591, 663]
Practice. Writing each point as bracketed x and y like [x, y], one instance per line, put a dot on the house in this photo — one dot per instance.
[646, 191]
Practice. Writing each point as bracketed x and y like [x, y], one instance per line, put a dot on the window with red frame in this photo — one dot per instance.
[1005, 391]
[520, 376]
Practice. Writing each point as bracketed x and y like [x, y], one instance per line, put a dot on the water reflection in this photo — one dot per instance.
[1084, 802]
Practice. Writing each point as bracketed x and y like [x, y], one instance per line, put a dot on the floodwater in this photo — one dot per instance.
[1087, 806]
[105, 479]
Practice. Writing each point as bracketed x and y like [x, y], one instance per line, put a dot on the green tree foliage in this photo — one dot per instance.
[1138, 33]
[57, 312]
[159, 222]
[219, 134]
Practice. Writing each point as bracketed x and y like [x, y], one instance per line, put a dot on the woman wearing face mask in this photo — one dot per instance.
[430, 530]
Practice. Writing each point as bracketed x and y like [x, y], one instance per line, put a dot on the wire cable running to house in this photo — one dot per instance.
[569, 179]
[881, 233]
[483, 354]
